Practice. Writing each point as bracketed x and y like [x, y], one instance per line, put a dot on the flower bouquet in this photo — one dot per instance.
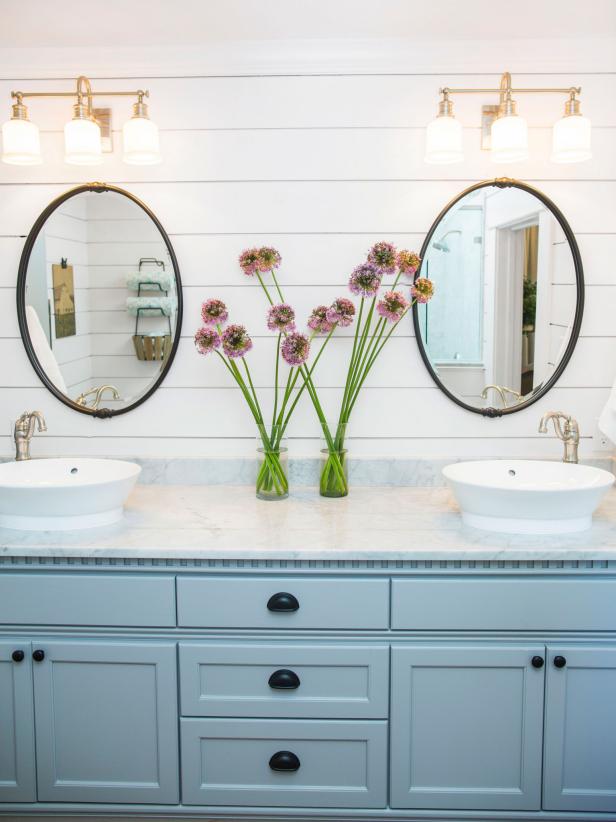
[377, 319]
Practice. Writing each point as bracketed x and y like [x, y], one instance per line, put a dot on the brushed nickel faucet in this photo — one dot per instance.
[502, 390]
[569, 433]
[82, 399]
[24, 431]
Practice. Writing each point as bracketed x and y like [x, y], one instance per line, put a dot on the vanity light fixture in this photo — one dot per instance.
[509, 131]
[82, 134]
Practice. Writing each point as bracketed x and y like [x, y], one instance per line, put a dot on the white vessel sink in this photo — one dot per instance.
[64, 494]
[527, 496]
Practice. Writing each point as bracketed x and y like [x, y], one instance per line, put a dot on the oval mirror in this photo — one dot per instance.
[509, 297]
[99, 300]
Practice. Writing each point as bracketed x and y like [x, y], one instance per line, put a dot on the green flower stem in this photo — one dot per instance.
[352, 360]
[301, 390]
[264, 287]
[374, 357]
[276, 383]
[344, 415]
[277, 286]
[271, 458]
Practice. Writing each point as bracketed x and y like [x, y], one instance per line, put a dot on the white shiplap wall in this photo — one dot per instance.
[320, 165]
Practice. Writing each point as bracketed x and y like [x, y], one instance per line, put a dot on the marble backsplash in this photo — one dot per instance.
[425, 473]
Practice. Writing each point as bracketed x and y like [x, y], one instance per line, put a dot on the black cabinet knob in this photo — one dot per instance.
[284, 680]
[537, 662]
[284, 761]
[282, 602]
[559, 661]
[18, 656]
[38, 655]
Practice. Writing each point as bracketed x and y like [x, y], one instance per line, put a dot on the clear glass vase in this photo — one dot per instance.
[334, 469]
[272, 482]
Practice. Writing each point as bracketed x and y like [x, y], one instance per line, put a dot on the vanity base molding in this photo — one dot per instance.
[258, 690]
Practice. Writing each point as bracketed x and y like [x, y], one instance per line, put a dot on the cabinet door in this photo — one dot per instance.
[17, 783]
[106, 722]
[466, 728]
[580, 729]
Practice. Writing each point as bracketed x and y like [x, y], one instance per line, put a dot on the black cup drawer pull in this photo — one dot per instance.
[284, 761]
[284, 680]
[283, 602]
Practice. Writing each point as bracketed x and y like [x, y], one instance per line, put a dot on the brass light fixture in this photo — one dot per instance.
[508, 131]
[82, 134]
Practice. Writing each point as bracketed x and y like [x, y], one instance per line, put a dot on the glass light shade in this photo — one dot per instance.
[21, 145]
[444, 141]
[571, 139]
[82, 143]
[509, 139]
[141, 143]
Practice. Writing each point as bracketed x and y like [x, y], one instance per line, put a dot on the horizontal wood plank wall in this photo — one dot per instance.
[321, 167]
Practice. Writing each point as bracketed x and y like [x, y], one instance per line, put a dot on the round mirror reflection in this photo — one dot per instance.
[509, 285]
[99, 300]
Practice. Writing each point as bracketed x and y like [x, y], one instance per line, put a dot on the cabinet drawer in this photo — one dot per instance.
[335, 764]
[281, 680]
[87, 599]
[504, 604]
[239, 602]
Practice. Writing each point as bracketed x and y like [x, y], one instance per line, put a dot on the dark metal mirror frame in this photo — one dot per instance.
[99, 188]
[506, 182]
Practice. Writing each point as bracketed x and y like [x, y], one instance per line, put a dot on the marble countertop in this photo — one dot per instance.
[226, 522]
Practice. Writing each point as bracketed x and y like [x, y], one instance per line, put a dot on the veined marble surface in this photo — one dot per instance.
[228, 522]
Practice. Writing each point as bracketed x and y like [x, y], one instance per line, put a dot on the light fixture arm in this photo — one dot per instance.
[505, 88]
[83, 89]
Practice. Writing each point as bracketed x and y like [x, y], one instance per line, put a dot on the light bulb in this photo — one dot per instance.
[571, 135]
[509, 139]
[444, 137]
[21, 145]
[82, 139]
[140, 138]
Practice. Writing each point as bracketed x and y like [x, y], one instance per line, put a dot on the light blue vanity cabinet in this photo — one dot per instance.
[580, 728]
[467, 726]
[17, 763]
[332, 690]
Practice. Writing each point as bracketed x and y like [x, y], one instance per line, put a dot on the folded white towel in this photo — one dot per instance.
[149, 280]
[150, 306]
[607, 420]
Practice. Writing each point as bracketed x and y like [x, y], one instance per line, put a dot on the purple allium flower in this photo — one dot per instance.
[267, 259]
[422, 290]
[383, 256]
[249, 261]
[207, 340]
[235, 341]
[366, 279]
[214, 312]
[295, 349]
[281, 318]
[408, 263]
[318, 320]
[392, 306]
[341, 312]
